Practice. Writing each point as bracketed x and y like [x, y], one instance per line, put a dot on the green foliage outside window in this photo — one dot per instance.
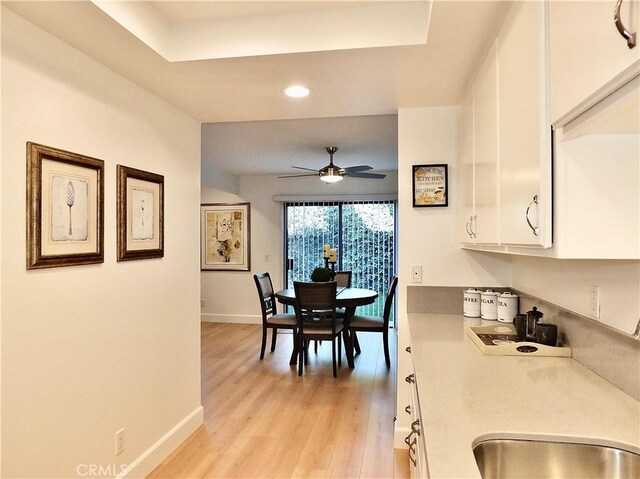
[365, 247]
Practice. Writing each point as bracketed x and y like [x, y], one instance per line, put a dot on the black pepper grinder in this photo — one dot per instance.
[533, 317]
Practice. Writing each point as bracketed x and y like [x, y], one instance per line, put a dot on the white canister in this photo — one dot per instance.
[489, 305]
[507, 307]
[471, 303]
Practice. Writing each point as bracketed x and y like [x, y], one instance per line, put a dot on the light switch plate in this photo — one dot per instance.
[416, 273]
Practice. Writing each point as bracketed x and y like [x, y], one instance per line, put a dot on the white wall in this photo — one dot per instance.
[567, 283]
[232, 296]
[87, 350]
[429, 236]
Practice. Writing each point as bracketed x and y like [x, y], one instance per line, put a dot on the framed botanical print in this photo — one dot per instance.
[225, 240]
[430, 185]
[65, 208]
[140, 214]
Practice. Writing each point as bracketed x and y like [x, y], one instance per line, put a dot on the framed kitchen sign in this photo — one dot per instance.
[225, 237]
[430, 185]
[65, 208]
[140, 214]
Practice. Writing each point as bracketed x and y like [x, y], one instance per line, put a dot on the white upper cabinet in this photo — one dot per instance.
[465, 152]
[597, 177]
[505, 137]
[478, 150]
[524, 130]
[485, 127]
[587, 51]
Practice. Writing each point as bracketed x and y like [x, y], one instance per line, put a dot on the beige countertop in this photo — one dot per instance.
[465, 395]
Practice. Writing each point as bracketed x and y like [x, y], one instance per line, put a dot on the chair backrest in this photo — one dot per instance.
[343, 279]
[266, 294]
[315, 302]
[388, 302]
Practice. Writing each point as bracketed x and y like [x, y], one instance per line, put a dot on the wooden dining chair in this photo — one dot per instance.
[271, 319]
[343, 279]
[316, 319]
[376, 324]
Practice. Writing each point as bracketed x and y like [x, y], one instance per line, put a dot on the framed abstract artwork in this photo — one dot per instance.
[430, 185]
[65, 208]
[225, 237]
[140, 214]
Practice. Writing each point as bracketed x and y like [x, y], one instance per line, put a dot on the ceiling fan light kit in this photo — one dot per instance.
[332, 173]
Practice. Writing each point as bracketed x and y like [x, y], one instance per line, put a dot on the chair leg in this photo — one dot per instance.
[301, 354]
[385, 342]
[274, 336]
[315, 346]
[264, 341]
[333, 357]
[294, 351]
[306, 352]
[356, 344]
[339, 350]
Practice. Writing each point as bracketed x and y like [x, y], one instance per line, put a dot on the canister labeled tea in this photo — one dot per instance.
[507, 307]
[489, 305]
[471, 303]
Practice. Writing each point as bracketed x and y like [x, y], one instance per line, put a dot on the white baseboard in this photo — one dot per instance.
[230, 318]
[152, 457]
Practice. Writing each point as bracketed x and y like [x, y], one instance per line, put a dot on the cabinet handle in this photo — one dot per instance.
[467, 226]
[411, 378]
[408, 349]
[412, 453]
[534, 201]
[415, 426]
[408, 409]
[473, 219]
[629, 37]
[411, 444]
[407, 440]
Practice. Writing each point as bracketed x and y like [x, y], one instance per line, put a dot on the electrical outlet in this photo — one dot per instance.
[416, 273]
[202, 303]
[595, 301]
[120, 441]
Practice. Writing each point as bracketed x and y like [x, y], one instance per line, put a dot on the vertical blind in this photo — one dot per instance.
[362, 231]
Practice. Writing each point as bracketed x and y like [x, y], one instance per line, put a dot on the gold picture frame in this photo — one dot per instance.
[225, 237]
[65, 208]
[140, 215]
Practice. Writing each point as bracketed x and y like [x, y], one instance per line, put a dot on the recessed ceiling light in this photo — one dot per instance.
[297, 91]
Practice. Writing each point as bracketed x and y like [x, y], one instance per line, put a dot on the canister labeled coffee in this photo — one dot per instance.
[471, 303]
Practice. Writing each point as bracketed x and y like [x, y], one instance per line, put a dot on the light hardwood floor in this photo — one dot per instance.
[263, 421]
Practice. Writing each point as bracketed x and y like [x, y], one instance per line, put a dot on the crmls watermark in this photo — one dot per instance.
[99, 470]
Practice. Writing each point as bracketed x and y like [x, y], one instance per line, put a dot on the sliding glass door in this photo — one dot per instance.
[363, 232]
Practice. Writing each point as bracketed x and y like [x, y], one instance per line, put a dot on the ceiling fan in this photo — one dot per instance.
[332, 173]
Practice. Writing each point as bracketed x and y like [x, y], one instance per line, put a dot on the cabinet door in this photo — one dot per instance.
[465, 149]
[525, 146]
[485, 126]
[586, 50]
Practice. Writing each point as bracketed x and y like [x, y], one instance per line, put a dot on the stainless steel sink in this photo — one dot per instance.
[544, 459]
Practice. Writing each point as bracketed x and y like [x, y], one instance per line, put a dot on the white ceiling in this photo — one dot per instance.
[272, 147]
[352, 82]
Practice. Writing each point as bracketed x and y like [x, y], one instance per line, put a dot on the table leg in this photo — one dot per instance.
[348, 343]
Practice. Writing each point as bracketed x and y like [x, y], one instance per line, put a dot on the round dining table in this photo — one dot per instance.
[347, 298]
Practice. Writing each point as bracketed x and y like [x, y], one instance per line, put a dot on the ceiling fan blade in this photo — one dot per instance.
[377, 176]
[301, 168]
[355, 169]
[298, 176]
